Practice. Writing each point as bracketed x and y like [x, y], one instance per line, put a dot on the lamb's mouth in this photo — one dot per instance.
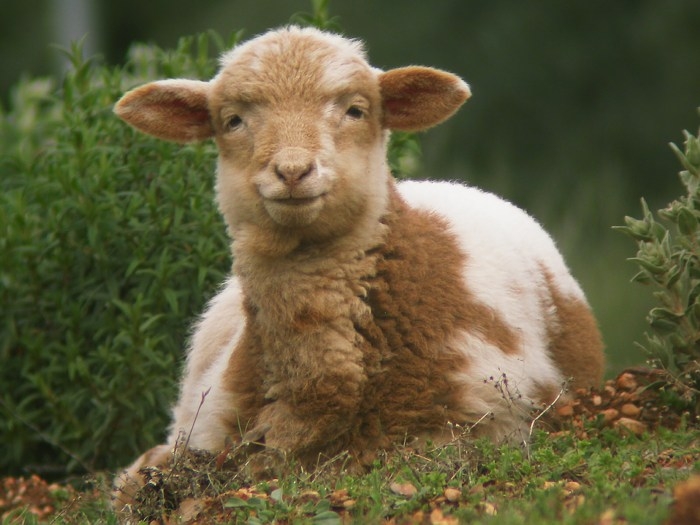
[297, 201]
[297, 212]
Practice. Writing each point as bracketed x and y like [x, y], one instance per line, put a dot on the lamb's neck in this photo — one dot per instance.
[311, 282]
[265, 260]
[325, 280]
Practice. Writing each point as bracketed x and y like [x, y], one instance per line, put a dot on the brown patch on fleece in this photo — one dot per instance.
[420, 305]
[244, 373]
[576, 345]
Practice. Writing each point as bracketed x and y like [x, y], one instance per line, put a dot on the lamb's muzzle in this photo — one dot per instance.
[360, 311]
[291, 165]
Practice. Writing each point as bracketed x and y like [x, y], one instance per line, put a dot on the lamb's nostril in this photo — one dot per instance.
[280, 174]
[292, 173]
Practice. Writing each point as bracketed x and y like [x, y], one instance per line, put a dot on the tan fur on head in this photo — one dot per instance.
[298, 116]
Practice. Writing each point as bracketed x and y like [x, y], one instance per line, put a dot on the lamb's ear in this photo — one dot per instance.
[174, 110]
[416, 98]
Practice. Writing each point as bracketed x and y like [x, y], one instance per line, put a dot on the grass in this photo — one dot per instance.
[596, 475]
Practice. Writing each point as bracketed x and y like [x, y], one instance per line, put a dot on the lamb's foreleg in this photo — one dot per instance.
[316, 391]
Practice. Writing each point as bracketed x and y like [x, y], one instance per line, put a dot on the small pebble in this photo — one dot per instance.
[452, 494]
[630, 410]
[610, 414]
[634, 426]
[626, 381]
[565, 411]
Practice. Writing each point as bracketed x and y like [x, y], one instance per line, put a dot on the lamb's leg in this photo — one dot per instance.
[318, 388]
[281, 425]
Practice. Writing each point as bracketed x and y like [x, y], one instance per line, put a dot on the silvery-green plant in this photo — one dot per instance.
[669, 260]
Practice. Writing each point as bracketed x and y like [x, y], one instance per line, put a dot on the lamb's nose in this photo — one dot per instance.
[291, 165]
[291, 174]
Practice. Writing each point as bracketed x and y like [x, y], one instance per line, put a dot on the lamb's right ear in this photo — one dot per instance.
[415, 98]
[175, 110]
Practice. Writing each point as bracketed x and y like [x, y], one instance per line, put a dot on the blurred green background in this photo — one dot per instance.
[574, 101]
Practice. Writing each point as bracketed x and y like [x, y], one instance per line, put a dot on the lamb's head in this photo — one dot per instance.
[300, 121]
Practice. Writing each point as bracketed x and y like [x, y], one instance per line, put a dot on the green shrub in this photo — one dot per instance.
[110, 245]
[669, 259]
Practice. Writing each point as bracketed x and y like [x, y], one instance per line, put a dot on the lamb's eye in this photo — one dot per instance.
[233, 122]
[355, 112]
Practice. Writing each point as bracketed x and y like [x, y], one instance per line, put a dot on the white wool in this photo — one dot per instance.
[505, 246]
[213, 343]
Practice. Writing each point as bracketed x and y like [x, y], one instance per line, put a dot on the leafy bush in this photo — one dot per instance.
[110, 244]
[669, 259]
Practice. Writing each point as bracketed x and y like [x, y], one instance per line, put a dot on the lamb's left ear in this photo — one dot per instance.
[416, 98]
[175, 110]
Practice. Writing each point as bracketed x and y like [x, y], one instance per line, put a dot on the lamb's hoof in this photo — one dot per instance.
[257, 434]
[130, 481]
[266, 464]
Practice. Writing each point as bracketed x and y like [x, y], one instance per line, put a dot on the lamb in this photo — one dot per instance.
[360, 311]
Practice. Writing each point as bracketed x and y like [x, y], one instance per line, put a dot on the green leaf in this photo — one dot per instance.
[658, 231]
[663, 326]
[665, 313]
[687, 222]
[673, 275]
[695, 311]
[688, 165]
[651, 267]
[234, 503]
[692, 149]
[642, 277]
[636, 231]
[277, 495]
[327, 517]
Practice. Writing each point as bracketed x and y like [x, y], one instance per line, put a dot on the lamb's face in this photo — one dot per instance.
[297, 119]
[300, 119]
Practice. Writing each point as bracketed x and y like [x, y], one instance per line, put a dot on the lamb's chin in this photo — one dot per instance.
[294, 213]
